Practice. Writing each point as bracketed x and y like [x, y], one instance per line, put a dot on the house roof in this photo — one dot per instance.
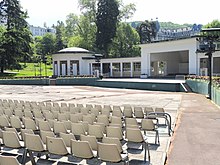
[74, 50]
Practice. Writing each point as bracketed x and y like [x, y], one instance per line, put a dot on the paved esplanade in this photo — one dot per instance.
[197, 136]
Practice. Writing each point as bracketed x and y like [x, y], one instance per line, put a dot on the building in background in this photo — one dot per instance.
[40, 31]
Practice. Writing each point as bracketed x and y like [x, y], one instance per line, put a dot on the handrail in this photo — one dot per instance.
[166, 116]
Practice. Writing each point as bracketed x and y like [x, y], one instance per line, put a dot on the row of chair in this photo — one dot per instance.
[127, 111]
[109, 149]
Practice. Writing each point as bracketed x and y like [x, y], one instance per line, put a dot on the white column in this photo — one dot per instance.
[145, 64]
[58, 69]
[101, 68]
[132, 69]
[91, 69]
[68, 67]
[121, 69]
[192, 61]
[111, 70]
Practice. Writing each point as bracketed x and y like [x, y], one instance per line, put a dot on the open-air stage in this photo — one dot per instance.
[144, 84]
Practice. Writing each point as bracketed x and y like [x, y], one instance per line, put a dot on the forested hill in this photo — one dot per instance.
[164, 25]
[170, 25]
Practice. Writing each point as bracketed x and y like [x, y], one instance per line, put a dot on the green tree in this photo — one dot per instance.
[60, 29]
[45, 46]
[126, 42]
[126, 11]
[106, 22]
[84, 31]
[71, 25]
[17, 37]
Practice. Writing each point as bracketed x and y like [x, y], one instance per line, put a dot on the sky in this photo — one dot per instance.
[187, 11]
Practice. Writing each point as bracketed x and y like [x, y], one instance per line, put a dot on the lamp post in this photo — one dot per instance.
[207, 46]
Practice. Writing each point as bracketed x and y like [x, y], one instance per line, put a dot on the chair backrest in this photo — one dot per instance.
[74, 118]
[111, 140]
[81, 149]
[159, 109]
[74, 110]
[48, 115]
[95, 130]
[138, 112]
[38, 114]
[89, 106]
[15, 122]
[92, 141]
[99, 107]
[34, 143]
[94, 111]
[59, 127]
[131, 121]
[109, 152]
[4, 122]
[19, 113]
[56, 146]
[128, 112]
[24, 131]
[147, 124]
[79, 105]
[103, 119]
[44, 126]
[67, 138]
[30, 124]
[117, 113]
[62, 117]
[8, 160]
[148, 110]
[105, 111]
[88, 118]
[116, 107]
[44, 134]
[84, 110]
[12, 130]
[28, 114]
[115, 132]
[78, 129]
[10, 139]
[116, 120]
[134, 135]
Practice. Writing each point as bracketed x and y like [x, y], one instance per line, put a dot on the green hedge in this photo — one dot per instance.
[24, 81]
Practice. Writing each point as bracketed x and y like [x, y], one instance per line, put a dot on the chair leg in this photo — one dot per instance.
[32, 158]
[158, 137]
[23, 160]
[146, 146]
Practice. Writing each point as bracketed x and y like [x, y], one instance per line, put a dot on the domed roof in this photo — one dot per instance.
[74, 50]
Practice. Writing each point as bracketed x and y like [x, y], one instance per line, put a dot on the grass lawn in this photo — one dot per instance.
[31, 69]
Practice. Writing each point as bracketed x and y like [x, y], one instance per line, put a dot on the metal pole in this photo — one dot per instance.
[210, 75]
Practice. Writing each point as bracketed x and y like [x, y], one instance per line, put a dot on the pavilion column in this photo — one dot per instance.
[132, 69]
[58, 68]
[101, 68]
[111, 69]
[68, 67]
[91, 69]
[121, 69]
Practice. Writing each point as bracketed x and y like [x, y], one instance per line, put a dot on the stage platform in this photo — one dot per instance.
[171, 85]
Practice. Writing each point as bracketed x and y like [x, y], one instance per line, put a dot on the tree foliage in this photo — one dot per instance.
[126, 42]
[45, 46]
[60, 30]
[16, 38]
[147, 30]
[106, 22]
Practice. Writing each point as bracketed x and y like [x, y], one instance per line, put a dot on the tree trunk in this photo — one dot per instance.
[2, 69]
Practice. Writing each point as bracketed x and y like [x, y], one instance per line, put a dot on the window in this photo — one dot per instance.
[137, 66]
